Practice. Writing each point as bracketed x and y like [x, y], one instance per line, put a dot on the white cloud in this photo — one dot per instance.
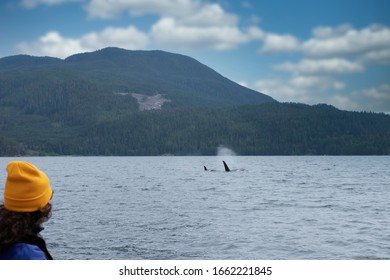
[274, 43]
[113, 8]
[169, 32]
[129, 38]
[34, 3]
[371, 99]
[376, 57]
[321, 66]
[186, 24]
[329, 53]
[208, 15]
[345, 40]
[370, 43]
[308, 82]
[379, 95]
[324, 32]
[255, 33]
[300, 88]
[183, 24]
[338, 85]
[320, 89]
[293, 89]
[53, 44]
[280, 89]
[344, 102]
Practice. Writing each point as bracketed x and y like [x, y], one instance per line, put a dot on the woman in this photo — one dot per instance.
[27, 194]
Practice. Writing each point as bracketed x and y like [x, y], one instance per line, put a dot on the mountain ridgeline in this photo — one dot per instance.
[100, 103]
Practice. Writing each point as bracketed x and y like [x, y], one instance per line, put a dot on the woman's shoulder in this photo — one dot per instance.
[22, 251]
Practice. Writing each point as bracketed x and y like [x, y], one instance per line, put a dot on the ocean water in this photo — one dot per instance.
[170, 208]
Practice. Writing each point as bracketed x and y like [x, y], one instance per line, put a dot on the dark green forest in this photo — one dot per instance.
[10, 148]
[268, 129]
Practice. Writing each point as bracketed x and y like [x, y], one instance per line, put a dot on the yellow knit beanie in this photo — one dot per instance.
[27, 189]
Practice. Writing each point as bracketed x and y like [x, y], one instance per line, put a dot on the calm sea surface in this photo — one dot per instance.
[170, 208]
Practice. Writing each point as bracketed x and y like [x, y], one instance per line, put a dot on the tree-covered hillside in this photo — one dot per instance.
[90, 82]
[88, 104]
[10, 148]
[267, 129]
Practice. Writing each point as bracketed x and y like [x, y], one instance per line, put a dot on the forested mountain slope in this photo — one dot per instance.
[89, 104]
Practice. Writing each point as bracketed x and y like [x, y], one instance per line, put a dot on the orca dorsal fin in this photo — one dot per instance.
[227, 169]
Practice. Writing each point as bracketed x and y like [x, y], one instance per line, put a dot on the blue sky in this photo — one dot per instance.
[334, 51]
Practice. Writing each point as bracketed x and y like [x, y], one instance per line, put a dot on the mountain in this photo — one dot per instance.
[108, 78]
[181, 79]
[100, 103]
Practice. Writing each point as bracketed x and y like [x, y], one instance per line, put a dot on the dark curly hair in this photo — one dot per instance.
[16, 225]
